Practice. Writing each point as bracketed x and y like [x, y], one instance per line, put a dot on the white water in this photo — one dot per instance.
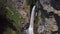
[30, 29]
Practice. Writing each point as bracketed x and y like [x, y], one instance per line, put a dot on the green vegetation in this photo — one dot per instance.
[10, 14]
[8, 31]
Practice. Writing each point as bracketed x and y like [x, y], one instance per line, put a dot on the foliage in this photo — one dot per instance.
[8, 31]
[11, 14]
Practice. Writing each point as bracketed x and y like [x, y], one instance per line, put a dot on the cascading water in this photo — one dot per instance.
[30, 29]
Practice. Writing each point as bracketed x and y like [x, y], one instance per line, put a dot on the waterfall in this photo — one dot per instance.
[30, 29]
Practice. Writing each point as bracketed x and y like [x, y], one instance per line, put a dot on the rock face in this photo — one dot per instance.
[51, 6]
[47, 21]
[48, 25]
